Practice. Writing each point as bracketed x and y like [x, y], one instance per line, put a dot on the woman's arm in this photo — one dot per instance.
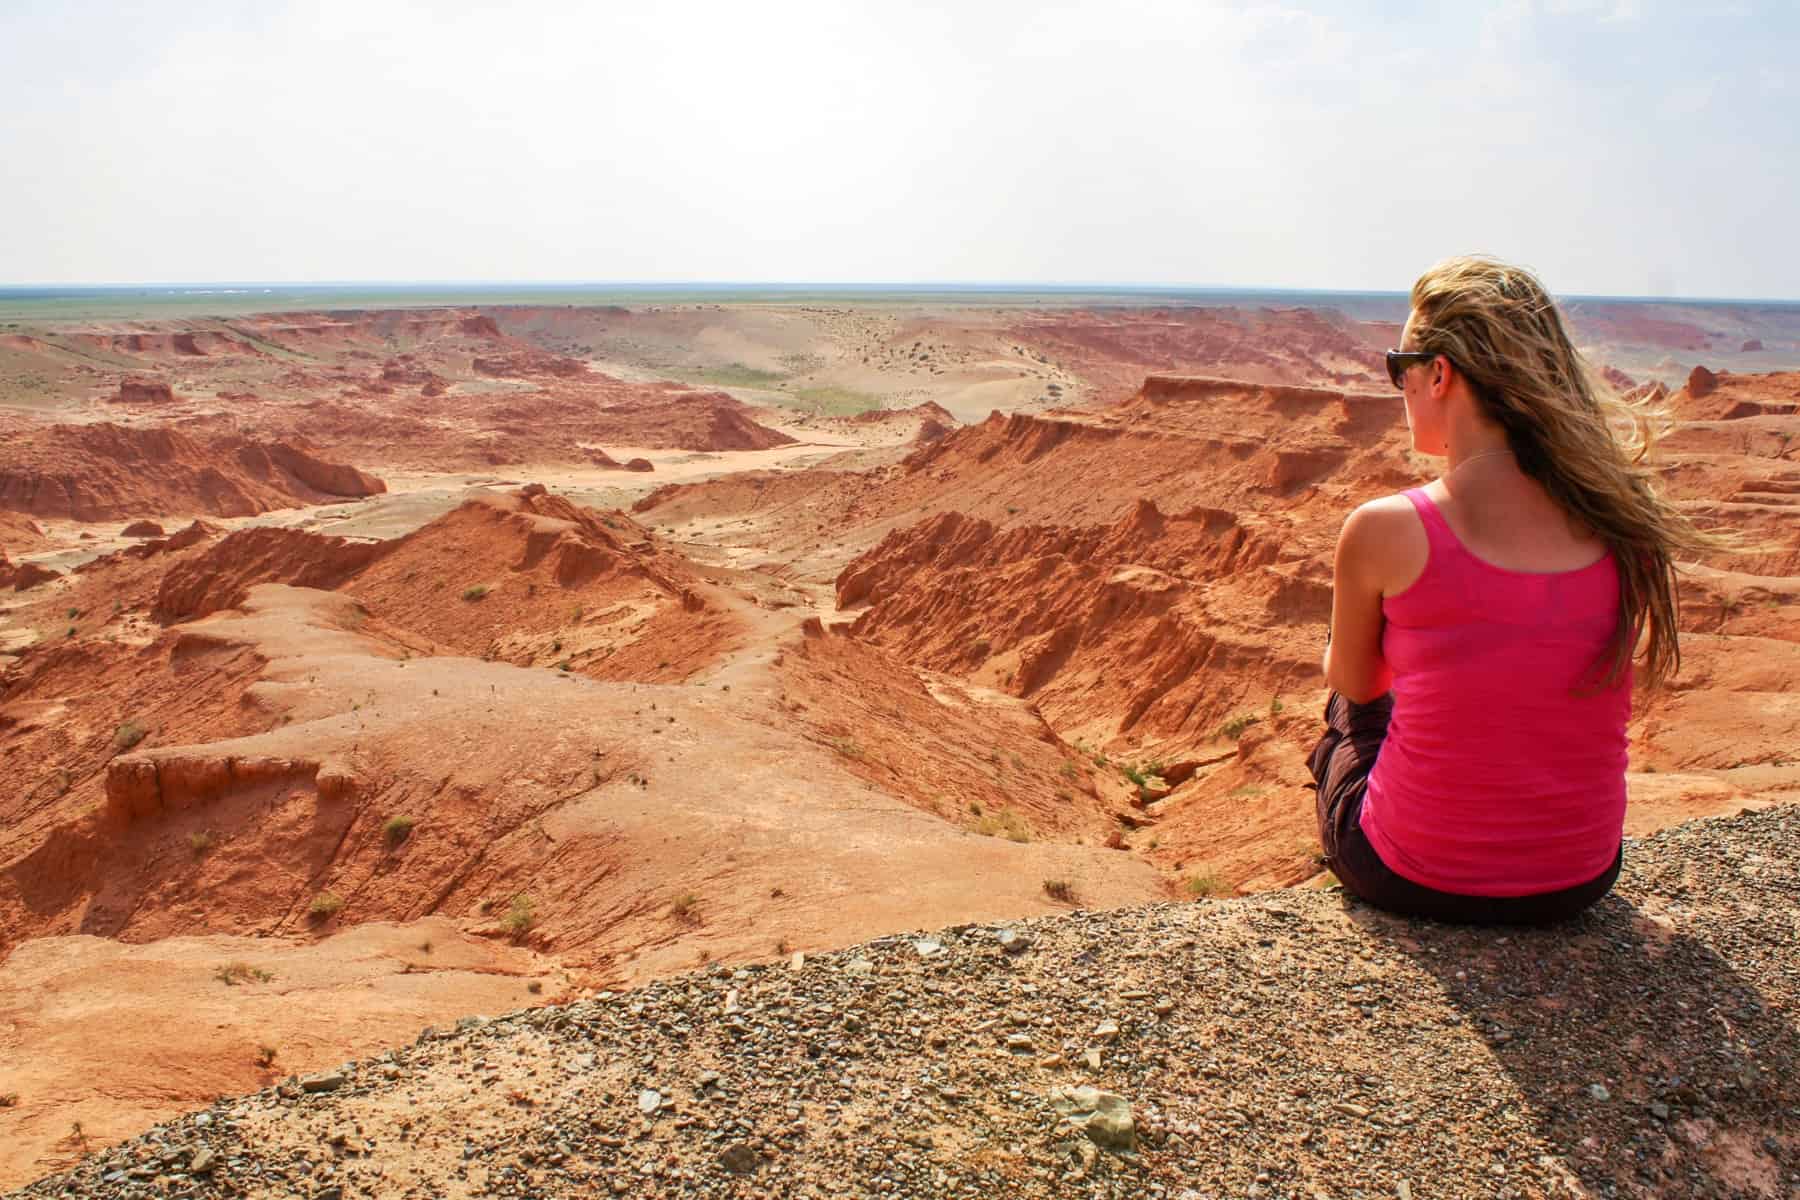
[1353, 662]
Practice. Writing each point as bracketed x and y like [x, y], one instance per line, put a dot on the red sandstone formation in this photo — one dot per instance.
[20, 576]
[104, 472]
[20, 533]
[528, 363]
[1725, 396]
[142, 529]
[1116, 350]
[561, 420]
[531, 578]
[144, 391]
[1122, 619]
[689, 421]
[601, 458]
[1617, 379]
[929, 411]
[223, 576]
[191, 535]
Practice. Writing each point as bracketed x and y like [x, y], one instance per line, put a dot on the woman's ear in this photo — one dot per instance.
[1441, 374]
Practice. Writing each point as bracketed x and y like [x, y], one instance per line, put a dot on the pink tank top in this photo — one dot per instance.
[1503, 771]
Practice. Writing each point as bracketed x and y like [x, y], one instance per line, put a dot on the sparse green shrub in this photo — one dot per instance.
[201, 842]
[686, 908]
[1234, 728]
[397, 829]
[325, 906]
[475, 593]
[1274, 705]
[232, 974]
[1204, 884]
[847, 747]
[521, 915]
[265, 1057]
[129, 734]
[1060, 890]
[1007, 824]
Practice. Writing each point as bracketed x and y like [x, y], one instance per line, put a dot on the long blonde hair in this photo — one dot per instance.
[1570, 432]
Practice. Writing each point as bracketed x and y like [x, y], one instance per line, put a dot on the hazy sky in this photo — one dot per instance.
[1617, 147]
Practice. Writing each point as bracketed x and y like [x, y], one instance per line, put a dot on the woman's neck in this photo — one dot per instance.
[1458, 461]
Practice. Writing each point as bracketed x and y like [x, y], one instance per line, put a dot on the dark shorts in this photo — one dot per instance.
[1340, 766]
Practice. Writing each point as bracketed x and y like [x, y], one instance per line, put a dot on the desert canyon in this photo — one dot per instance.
[363, 671]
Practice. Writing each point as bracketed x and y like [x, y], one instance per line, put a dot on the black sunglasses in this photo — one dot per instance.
[1399, 360]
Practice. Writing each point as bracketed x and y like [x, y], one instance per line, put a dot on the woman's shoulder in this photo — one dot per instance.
[1387, 540]
[1385, 517]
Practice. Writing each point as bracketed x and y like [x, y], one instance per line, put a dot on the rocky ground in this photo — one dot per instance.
[1289, 1044]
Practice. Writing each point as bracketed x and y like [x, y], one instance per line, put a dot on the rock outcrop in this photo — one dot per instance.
[223, 576]
[527, 363]
[105, 472]
[20, 576]
[144, 391]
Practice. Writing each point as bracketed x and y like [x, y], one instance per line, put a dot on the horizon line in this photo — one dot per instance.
[204, 285]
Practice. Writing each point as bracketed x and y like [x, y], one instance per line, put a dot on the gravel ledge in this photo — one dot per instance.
[1289, 1044]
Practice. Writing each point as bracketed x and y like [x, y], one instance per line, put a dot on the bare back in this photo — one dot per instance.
[1509, 521]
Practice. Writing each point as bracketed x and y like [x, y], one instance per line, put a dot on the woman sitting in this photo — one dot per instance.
[1483, 626]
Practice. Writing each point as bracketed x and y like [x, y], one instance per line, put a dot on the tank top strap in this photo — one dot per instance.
[1438, 533]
